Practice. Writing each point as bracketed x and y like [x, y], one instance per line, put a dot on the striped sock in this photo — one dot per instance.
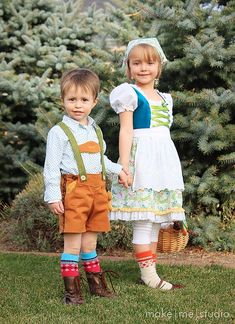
[144, 259]
[69, 265]
[148, 271]
[90, 262]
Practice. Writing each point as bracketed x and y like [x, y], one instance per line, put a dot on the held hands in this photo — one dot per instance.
[125, 178]
[56, 207]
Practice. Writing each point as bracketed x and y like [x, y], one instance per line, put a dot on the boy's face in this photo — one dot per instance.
[79, 103]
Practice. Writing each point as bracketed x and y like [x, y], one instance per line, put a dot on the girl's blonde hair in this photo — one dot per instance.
[84, 78]
[147, 53]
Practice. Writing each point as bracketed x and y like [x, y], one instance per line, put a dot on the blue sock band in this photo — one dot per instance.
[89, 255]
[69, 257]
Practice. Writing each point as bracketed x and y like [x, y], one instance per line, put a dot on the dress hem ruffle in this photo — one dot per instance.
[156, 212]
[148, 215]
[157, 189]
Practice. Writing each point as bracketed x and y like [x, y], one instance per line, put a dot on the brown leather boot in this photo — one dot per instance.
[97, 284]
[73, 294]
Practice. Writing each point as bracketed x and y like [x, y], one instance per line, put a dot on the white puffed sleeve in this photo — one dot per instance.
[123, 98]
[169, 102]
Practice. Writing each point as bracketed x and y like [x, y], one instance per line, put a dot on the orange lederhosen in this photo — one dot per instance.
[86, 203]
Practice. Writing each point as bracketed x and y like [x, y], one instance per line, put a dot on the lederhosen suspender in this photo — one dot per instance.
[77, 153]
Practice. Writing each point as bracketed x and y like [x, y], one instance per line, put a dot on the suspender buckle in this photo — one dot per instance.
[83, 177]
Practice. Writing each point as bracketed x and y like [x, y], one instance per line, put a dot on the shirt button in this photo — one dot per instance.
[83, 177]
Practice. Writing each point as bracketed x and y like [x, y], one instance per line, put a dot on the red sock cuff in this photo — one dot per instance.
[91, 265]
[69, 269]
[154, 257]
[144, 255]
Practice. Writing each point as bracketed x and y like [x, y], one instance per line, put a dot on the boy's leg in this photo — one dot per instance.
[142, 231]
[89, 256]
[91, 265]
[69, 269]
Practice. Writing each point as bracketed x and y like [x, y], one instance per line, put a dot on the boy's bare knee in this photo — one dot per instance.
[89, 241]
[72, 250]
[89, 246]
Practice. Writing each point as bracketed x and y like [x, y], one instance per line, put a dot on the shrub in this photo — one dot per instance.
[119, 237]
[212, 234]
[34, 227]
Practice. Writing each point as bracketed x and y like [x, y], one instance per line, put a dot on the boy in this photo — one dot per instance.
[74, 175]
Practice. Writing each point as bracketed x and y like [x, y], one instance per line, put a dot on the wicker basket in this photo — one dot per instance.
[171, 240]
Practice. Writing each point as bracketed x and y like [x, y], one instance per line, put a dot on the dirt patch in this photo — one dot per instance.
[190, 256]
[199, 258]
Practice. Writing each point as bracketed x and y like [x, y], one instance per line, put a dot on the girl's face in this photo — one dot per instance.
[143, 68]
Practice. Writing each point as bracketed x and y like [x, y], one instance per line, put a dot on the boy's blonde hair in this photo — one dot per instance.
[84, 78]
[147, 53]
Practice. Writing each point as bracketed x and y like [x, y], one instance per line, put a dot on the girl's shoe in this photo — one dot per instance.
[161, 284]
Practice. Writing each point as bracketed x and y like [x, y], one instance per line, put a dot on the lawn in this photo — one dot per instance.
[31, 291]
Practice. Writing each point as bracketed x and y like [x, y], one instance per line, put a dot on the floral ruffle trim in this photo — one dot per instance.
[156, 212]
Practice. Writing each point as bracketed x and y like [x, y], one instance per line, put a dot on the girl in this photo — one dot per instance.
[148, 154]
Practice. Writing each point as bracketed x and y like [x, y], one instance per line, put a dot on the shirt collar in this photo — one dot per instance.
[74, 124]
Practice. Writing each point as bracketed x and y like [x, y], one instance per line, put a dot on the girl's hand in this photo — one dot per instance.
[129, 179]
[56, 207]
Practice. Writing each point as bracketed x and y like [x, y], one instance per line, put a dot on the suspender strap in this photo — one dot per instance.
[101, 143]
[77, 153]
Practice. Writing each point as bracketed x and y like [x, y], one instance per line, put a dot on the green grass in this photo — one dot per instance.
[31, 291]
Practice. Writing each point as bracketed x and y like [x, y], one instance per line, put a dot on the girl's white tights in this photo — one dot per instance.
[145, 232]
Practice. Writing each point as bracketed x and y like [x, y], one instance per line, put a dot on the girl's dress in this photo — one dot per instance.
[156, 192]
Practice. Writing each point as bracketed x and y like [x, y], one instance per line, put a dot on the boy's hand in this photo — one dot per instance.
[56, 207]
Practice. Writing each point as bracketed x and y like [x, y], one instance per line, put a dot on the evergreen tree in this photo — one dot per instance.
[39, 41]
[19, 90]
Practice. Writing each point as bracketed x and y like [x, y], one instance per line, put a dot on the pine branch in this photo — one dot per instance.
[227, 158]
